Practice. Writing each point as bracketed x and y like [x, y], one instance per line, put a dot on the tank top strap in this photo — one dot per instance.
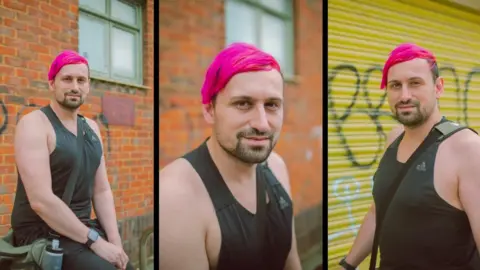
[274, 187]
[203, 164]
[52, 117]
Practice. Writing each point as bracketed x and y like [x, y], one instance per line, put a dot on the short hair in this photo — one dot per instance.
[66, 57]
[237, 58]
[406, 52]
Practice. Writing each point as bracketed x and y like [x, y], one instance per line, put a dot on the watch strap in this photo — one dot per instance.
[346, 265]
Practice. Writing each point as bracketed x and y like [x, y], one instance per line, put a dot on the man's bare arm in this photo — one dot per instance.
[363, 243]
[32, 159]
[182, 236]
[279, 168]
[103, 201]
[469, 183]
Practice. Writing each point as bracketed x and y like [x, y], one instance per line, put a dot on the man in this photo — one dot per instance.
[433, 221]
[211, 216]
[45, 151]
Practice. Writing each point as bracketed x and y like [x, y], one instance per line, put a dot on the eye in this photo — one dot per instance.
[272, 105]
[243, 105]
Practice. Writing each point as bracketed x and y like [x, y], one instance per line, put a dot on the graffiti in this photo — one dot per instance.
[346, 190]
[374, 112]
[4, 124]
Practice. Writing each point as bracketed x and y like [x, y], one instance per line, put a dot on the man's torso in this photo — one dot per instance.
[62, 146]
[235, 221]
[425, 224]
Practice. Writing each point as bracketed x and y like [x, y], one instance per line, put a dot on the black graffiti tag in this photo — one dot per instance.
[373, 112]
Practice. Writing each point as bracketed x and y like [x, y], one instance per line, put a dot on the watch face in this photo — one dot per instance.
[93, 235]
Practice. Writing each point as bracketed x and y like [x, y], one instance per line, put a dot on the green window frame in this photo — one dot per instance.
[100, 14]
[257, 16]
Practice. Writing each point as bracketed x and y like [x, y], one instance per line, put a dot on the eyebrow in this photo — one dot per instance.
[412, 78]
[237, 98]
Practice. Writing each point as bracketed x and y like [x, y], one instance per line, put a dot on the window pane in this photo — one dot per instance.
[97, 5]
[273, 39]
[277, 5]
[240, 22]
[124, 12]
[93, 42]
[123, 53]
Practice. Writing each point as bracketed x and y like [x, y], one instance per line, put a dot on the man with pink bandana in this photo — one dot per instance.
[226, 205]
[433, 220]
[45, 149]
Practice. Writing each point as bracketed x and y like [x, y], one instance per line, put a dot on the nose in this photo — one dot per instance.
[260, 120]
[406, 95]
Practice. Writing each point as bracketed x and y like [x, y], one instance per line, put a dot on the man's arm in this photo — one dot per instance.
[103, 201]
[363, 243]
[279, 168]
[182, 236]
[469, 183]
[32, 159]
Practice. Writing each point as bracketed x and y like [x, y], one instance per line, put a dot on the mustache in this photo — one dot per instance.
[73, 92]
[254, 133]
[407, 103]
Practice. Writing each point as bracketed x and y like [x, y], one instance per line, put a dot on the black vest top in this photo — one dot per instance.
[240, 248]
[420, 229]
[26, 224]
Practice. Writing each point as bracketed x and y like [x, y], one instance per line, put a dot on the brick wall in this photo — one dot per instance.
[32, 33]
[191, 34]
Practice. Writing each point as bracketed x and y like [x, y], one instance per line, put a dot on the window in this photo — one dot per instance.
[268, 24]
[110, 37]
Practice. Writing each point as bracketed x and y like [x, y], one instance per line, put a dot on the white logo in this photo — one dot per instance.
[422, 167]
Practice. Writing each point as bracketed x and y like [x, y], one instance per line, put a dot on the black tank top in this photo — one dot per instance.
[240, 249]
[420, 229]
[26, 224]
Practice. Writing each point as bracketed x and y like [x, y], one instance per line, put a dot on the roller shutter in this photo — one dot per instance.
[360, 35]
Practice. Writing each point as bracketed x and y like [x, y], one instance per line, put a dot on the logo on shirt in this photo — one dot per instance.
[283, 203]
[422, 167]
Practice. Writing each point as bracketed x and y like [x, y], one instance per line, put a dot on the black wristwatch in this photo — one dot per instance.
[91, 237]
[345, 265]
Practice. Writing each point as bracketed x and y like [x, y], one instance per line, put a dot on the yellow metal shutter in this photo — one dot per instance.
[361, 33]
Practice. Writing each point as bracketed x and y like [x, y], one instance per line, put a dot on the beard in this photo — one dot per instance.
[250, 154]
[414, 118]
[70, 104]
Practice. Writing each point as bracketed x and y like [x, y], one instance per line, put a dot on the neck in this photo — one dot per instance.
[62, 113]
[231, 168]
[418, 134]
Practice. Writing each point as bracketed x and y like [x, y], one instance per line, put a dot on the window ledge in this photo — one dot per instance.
[292, 79]
[97, 78]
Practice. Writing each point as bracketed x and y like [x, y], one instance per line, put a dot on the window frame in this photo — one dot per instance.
[286, 16]
[111, 22]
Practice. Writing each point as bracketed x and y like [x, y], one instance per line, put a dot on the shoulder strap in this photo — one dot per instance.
[261, 213]
[72, 180]
[439, 132]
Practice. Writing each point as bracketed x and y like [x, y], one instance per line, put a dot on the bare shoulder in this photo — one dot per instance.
[394, 134]
[279, 169]
[465, 145]
[34, 120]
[178, 182]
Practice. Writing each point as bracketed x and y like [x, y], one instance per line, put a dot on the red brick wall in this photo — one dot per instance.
[32, 33]
[191, 34]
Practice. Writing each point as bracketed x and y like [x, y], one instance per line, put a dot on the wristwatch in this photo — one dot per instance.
[91, 237]
[345, 265]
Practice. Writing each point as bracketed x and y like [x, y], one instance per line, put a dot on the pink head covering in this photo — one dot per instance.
[236, 58]
[66, 57]
[403, 53]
